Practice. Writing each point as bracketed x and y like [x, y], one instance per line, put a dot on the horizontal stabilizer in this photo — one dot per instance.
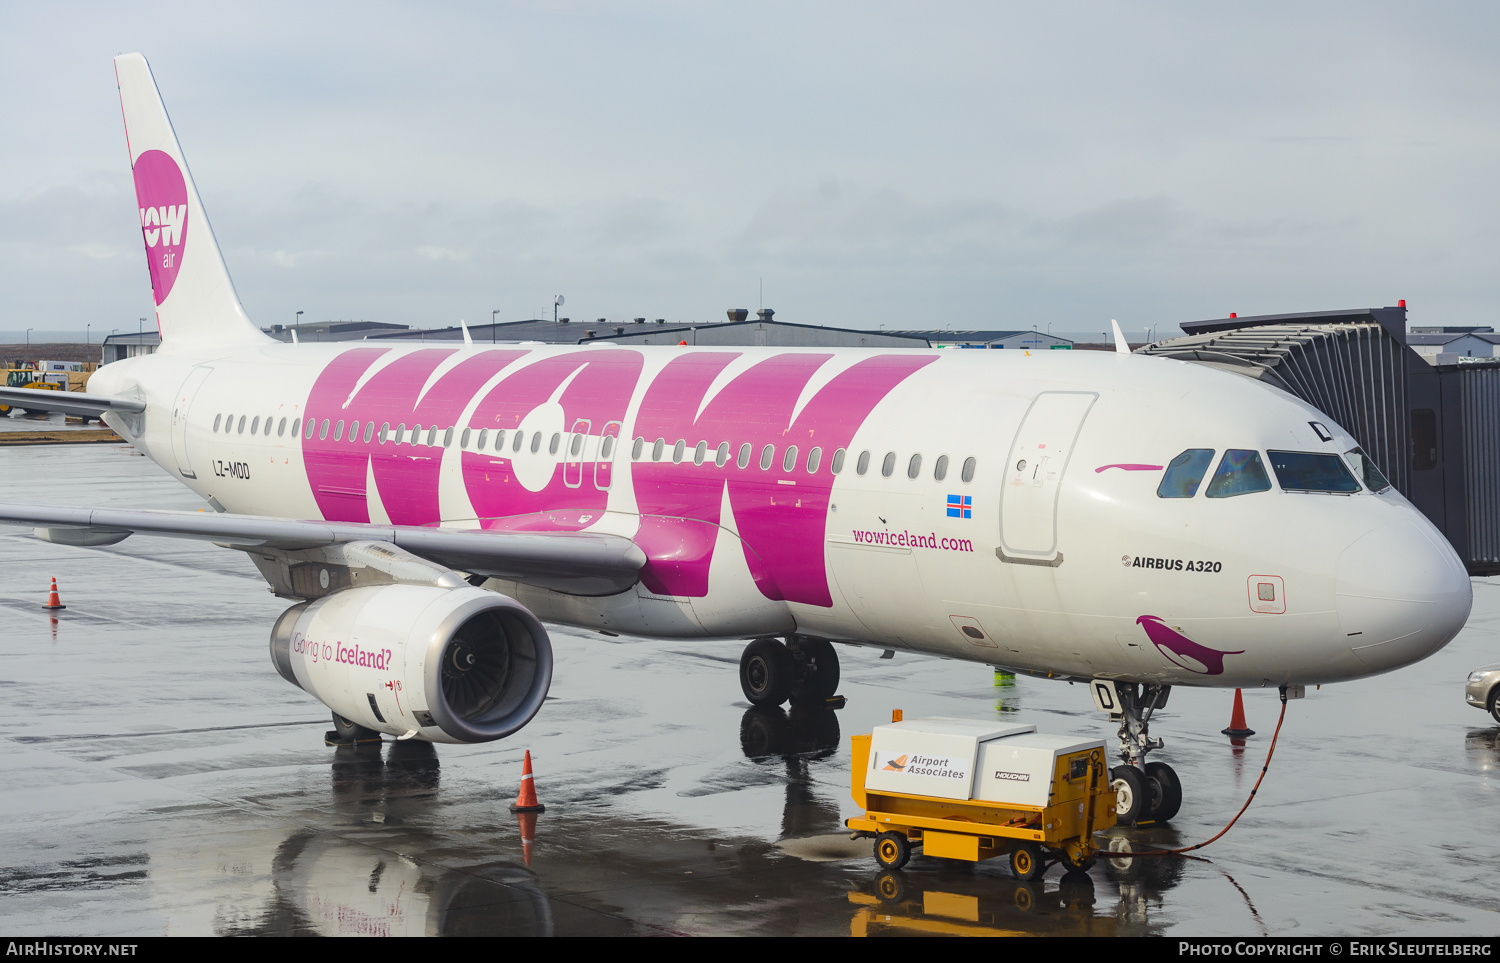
[68, 402]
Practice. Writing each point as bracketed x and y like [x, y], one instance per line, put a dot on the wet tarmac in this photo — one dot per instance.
[159, 777]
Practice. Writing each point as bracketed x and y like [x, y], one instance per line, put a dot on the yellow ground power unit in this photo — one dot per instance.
[971, 790]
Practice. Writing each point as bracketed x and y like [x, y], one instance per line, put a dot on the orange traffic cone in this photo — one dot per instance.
[528, 833]
[1237, 728]
[526, 798]
[53, 602]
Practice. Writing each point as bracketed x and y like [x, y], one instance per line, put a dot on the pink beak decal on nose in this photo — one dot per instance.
[1182, 650]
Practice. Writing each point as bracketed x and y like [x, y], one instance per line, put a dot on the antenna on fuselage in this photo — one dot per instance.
[1121, 347]
[467, 339]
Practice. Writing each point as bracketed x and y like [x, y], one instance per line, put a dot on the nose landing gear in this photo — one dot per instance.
[1144, 791]
[802, 669]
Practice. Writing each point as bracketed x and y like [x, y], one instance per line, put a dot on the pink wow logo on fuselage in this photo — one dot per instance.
[1182, 650]
[161, 193]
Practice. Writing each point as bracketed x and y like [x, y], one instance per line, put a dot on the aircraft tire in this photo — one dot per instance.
[767, 672]
[1132, 794]
[352, 731]
[820, 671]
[1166, 795]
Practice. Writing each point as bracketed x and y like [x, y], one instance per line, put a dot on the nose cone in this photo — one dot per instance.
[1402, 594]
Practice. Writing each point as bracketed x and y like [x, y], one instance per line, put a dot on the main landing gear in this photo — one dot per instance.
[1144, 791]
[804, 670]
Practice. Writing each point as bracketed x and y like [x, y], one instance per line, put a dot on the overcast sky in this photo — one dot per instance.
[913, 165]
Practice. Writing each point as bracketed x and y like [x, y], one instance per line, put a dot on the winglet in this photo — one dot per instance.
[1121, 347]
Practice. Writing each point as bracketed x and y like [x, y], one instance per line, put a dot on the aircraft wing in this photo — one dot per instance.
[68, 402]
[584, 563]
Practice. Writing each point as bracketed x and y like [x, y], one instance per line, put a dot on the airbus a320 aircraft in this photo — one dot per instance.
[1130, 522]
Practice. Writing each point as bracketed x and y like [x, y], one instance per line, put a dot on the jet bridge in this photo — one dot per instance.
[1433, 430]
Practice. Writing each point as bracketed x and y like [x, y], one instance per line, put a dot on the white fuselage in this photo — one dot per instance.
[1042, 546]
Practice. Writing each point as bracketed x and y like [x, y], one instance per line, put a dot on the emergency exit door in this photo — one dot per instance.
[1034, 472]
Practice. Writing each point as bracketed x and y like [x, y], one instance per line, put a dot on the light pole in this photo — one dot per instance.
[86, 334]
[28, 337]
[556, 302]
[492, 324]
[140, 329]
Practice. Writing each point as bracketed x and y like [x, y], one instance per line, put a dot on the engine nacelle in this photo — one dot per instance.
[454, 664]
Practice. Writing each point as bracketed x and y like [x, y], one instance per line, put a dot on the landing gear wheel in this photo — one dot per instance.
[1132, 794]
[892, 850]
[818, 671]
[1026, 862]
[1166, 794]
[352, 733]
[767, 672]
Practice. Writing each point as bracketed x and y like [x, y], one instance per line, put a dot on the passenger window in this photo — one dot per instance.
[1240, 473]
[1306, 471]
[863, 465]
[789, 460]
[552, 445]
[281, 428]
[242, 424]
[463, 442]
[369, 431]
[322, 429]
[217, 419]
[520, 439]
[722, 455]
[700, 453]
[813, 458]
[940, 469]
[255, 425]
[1185, 473]
[637, 448]
[338, 430]
[968, 473]
[914, 467]
[448, 438]
[658, 448]
[607, 448]
[838, 461]
[295, 423]
[577, 445]
[677, 451]
[888, 467]
[743, 461]
[767, 455]
[536, 442]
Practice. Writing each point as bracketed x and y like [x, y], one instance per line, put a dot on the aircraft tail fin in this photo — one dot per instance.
[195, 300]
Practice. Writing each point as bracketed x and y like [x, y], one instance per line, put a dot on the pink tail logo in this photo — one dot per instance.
[161, 193]
[1182, 650]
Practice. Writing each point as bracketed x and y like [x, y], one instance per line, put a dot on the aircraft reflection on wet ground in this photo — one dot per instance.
[161, 778]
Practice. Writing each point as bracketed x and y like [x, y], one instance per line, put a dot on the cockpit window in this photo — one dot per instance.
[1306, 471]
[1185, 473]
[1240, 473]
[1366, 470]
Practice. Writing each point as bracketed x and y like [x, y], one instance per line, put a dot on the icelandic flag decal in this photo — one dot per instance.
[960, 506]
